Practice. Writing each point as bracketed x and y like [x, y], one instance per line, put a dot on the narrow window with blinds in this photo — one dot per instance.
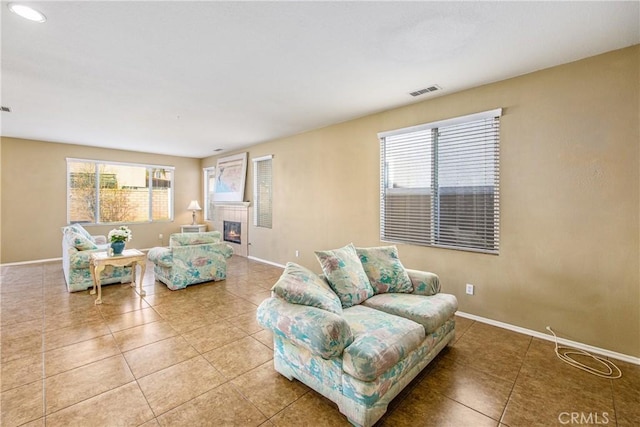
[209, 192]
[439, 183]
[262, 192]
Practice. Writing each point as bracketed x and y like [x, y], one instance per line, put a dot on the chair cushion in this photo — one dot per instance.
[380, 341]
[299, 285]
[429, 311]
[384, 269]
[345, 274]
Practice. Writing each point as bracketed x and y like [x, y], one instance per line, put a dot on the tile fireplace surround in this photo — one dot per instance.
[238, 212]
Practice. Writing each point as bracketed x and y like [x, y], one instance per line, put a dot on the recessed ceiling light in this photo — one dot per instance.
[27, 12]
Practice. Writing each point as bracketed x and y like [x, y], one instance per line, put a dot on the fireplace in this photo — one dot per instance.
[232, 232]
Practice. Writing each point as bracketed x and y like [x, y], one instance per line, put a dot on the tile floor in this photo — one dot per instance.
[197, 357]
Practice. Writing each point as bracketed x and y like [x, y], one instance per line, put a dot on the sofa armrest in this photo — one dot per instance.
[209, 250]
[224, 249]
[80, 259]
[424, 282]
[161, 256]
[321, 332]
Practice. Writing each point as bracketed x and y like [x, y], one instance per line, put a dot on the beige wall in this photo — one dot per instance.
[34, 193]
[570, 186]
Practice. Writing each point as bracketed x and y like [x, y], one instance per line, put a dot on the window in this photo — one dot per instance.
[209, 189]
[262, 191]
[440, 183]
[107, 192]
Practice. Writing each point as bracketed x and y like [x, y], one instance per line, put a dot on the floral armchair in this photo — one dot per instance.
[77, 247]
[191, 258]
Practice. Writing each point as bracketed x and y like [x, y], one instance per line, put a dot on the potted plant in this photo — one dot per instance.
[118, 237]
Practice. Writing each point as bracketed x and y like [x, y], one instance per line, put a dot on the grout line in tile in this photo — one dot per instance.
[515, 381]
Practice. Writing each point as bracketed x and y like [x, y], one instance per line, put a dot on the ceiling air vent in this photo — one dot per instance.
[432, 88]
[5, 109]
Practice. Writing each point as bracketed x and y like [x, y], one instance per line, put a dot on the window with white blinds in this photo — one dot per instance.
[209, 192]
[440, 183]
[262, 192]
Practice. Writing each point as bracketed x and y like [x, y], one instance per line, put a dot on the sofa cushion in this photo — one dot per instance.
[380, 341]
[78, 240]
[384, 269]
[345, 274]
[429, 311]
[299, 285]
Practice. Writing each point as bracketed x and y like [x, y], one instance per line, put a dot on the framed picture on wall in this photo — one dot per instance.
[231, 173]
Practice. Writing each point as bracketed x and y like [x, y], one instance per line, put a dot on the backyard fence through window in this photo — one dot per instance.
[108, 192]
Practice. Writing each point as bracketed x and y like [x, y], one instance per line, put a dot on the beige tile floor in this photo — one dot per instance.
[197, 357]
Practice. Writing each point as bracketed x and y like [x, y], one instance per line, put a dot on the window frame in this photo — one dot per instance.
[428, 223]
[150, 168]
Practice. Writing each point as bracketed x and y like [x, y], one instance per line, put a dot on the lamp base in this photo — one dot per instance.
[193, 222]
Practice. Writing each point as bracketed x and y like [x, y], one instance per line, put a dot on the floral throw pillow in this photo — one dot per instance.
[299, 285]
[384, 269]
[79, 241]
[345, 274]
[81, 230]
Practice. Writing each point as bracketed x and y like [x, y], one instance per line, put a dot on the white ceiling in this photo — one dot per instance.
[185, 78]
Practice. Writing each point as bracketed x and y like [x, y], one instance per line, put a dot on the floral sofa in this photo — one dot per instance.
[191, 258]
[362, 331]
[77, 247]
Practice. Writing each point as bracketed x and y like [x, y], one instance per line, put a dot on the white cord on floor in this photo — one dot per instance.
[562, 352]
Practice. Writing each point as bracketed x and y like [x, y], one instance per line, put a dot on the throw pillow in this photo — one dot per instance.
[298, 285]
[79, 241]
[81, 230]
[345, 274]
[384, 269]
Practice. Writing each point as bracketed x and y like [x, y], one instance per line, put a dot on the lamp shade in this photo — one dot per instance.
[194, 206]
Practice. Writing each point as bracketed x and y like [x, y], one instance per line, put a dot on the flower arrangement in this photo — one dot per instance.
[120, 234]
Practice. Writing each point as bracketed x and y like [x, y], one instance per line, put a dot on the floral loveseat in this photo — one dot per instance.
[77, 247]
[360, 333]
[191, 258]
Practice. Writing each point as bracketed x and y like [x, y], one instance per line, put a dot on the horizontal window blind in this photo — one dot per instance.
[263, 192]
[406, 187]
[209, 192]
[440, 185]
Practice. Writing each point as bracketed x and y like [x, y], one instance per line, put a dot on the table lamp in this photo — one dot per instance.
[194, 206]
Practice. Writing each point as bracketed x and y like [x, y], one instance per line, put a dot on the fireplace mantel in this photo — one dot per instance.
[236, 212]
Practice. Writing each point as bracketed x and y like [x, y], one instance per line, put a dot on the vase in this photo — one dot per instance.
[117, 247]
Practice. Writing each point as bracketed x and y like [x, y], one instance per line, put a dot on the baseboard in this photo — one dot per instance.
[264, 261]
[9, 264]
[47, 260]
[547, 337]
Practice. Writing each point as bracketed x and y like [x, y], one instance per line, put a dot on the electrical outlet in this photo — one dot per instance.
[470, 289]
[297, 254]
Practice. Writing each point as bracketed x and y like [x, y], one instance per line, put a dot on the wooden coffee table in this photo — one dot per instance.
[132, 257]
